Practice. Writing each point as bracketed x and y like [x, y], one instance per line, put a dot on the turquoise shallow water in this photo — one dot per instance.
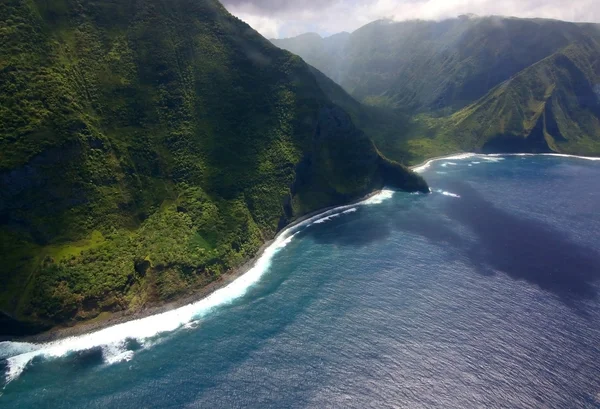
[483, 294]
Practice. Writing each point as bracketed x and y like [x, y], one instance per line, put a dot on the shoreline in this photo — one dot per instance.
[121, 317]
[425, 164]
[464, 155]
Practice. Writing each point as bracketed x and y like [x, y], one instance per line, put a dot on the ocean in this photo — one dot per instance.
[482, 294]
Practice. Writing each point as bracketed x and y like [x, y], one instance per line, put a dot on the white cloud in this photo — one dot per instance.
[332, 16]
[269, 27]
[578, 10]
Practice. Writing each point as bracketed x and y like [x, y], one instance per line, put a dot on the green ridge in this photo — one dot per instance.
[491, 84]
[147, 147]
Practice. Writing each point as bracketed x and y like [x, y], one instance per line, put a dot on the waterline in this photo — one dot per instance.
[493, 157]
[113, 340]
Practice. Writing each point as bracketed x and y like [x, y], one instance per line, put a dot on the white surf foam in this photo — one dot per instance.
[113, 340]
[379, 198]
[116, 352]
[559, 155]
[426, 165]
[445, 164]
[491, 157]
[8, 349]
[450, 194]
[327, 218]
[192, 324]
[494, 157]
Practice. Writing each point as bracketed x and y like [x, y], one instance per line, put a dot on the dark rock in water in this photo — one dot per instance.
[87, 358]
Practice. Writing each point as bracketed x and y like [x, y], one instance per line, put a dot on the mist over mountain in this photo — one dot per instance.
[471, 83]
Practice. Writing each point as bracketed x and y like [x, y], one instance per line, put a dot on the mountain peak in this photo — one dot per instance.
[468, 16]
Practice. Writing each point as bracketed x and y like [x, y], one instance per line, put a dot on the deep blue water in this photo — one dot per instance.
[483, 294]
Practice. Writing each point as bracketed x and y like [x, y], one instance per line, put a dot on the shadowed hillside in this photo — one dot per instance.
[147, 147]
[490, 84]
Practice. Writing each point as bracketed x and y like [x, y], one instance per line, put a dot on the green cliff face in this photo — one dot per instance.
[553, 105]
[148, 146]
[489, 84]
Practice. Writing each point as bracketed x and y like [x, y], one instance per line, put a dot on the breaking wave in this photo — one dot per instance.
[326, 219]
[379, 198]
[445, 164]
[116, 342]
[559, 155]
[450, 194]
[426, 165]
[494, 157]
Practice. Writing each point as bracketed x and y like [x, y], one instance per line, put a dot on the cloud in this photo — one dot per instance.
[286, 18]
[276, 6]
[268, 27]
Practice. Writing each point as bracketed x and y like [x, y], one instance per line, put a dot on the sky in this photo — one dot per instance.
[288, 18]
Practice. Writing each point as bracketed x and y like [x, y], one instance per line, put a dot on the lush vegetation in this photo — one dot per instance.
[148, 147]
[468, 84]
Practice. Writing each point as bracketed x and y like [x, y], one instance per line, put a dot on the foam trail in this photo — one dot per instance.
[450, 194]
[113, 340]
[559, 155]
[379, 198]
[192, 324]
[117, 352]
[426, 165]
[326, 218]
[493, 158]
[8, 349]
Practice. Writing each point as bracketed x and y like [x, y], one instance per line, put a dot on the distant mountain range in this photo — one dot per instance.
[490, 84]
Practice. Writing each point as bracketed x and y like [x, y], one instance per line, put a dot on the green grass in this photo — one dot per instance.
[71, 250]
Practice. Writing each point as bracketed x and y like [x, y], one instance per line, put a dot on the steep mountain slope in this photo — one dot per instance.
[553, 105]
[148, 146]
[470, 83]
[327, 54]
[427, 65]
[380, 123]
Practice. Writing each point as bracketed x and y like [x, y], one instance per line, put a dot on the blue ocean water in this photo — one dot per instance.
[484, 293]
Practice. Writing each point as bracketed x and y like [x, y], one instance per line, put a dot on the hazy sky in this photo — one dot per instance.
[287, 18]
